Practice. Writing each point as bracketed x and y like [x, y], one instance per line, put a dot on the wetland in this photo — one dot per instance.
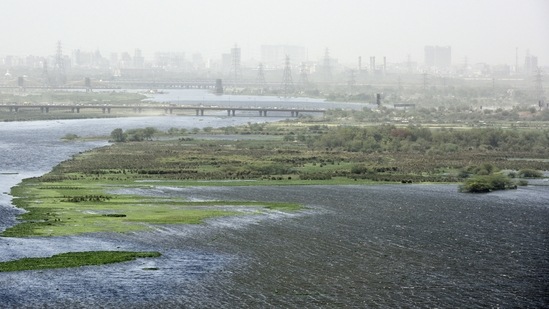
[294, 214]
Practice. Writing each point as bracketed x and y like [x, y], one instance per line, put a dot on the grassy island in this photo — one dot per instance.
[92, 192]
[74, 259]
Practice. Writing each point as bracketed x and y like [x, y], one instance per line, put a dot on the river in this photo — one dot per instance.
[378, 246]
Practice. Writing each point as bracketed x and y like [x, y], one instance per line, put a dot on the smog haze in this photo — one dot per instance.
[483, 31]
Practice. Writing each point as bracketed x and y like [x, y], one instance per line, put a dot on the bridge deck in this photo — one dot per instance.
[166, 108]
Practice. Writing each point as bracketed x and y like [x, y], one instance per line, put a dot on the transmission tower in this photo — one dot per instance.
[303, 76]
[260, 76]
[539, 87]
[327, 66]
[59, 66]
[287, 82]
[351, 82]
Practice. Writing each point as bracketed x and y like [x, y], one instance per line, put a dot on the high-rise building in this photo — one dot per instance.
[530, 64]
[169, 60]
[138, 59]
[438, 56]
[236, 57]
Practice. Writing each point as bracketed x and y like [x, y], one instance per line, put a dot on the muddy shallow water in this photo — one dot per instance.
[354, 246]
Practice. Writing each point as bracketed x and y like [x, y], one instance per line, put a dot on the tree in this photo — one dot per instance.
[118, 135]
[148, 132]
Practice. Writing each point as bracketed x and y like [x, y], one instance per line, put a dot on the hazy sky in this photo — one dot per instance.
[483, 30]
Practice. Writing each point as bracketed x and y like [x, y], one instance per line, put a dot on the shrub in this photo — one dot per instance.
[118, 135]
[487, 183]
[359, 169]
[530, 173]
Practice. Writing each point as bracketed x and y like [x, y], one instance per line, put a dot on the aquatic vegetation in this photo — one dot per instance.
[487, 183]
[76, 196]
[530, 173]
[74, 259]
[71, 207]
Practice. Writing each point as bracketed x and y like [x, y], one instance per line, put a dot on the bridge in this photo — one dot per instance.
[168, 109]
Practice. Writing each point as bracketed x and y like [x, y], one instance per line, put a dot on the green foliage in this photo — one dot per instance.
[483, 169]
[487, 183]
[530, 173]
[74, 259]
[418, 139]
[133, 135]
[360, 169]
[118, 135]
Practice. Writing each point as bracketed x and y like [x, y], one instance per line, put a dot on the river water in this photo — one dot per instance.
[197, 97]
[387, 246]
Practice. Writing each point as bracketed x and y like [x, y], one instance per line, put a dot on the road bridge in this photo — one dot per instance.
[199, 110]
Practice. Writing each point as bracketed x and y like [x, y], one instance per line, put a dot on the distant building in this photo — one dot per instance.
[169, 60]
[236, 60]
[226, 62]
[198, 61]
[138, 59]
[438, 56]
[87, 59]
[530, 64]
[125, 60]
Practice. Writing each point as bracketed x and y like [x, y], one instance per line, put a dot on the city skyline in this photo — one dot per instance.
[486, 31]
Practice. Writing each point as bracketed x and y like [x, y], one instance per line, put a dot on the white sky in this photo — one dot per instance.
[483, 30]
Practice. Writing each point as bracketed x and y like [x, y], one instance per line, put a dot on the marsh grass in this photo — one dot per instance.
[74, 259]
[71, 207]
[74, 197]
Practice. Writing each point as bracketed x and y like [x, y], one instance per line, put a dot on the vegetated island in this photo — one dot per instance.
[74, 259]
[92, 192]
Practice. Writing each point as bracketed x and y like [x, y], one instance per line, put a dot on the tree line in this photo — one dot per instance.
[417, 139]
[133, 135]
